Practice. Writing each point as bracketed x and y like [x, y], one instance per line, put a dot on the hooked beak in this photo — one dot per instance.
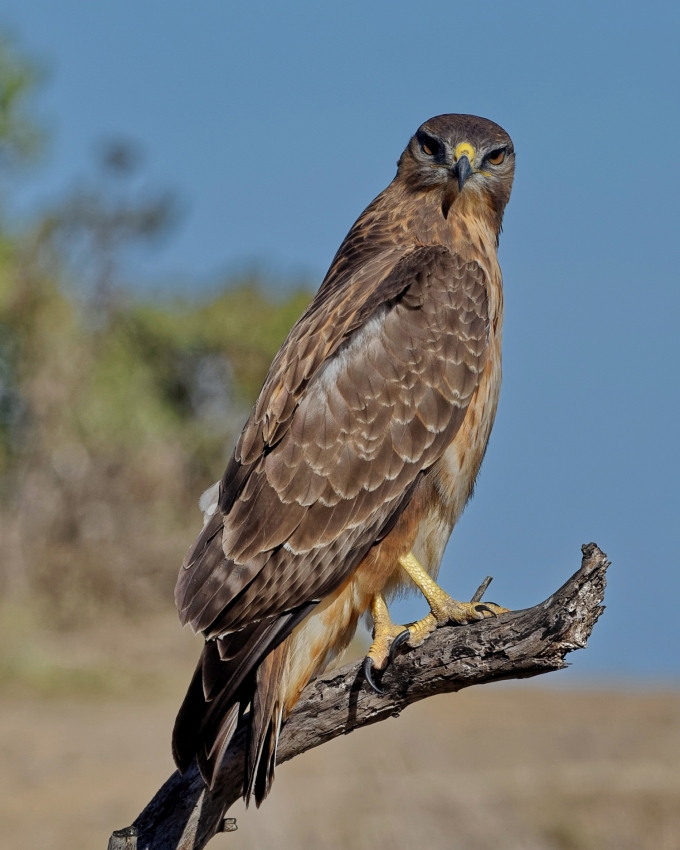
[462, 170]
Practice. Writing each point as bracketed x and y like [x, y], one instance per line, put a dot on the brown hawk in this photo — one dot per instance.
[360, 453]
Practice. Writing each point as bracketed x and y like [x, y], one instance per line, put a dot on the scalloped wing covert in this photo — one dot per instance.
[367, 392]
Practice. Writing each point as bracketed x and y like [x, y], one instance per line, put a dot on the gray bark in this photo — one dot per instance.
[184, 815]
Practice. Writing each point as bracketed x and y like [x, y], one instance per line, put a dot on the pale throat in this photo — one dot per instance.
[472, 230]
[472, 235]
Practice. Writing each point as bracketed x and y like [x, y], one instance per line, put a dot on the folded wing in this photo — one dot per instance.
[366, 394]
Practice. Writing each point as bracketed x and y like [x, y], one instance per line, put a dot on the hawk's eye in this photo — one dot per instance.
[430, 146]
[497, 157]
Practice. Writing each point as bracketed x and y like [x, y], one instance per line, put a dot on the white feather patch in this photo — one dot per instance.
[208, 502]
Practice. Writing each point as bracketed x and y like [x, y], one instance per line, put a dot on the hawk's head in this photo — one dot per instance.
[462, 156]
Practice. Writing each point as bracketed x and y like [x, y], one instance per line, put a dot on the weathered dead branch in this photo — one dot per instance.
[184, 815]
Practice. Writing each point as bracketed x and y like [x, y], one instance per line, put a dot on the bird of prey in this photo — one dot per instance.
[359, 454]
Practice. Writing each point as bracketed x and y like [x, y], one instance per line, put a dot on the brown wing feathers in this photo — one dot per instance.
[367, 392]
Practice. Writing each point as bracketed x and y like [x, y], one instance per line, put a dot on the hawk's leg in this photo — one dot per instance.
[443, 609]
[387, 636]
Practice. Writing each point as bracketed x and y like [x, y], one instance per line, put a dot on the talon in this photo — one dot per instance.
[368, 675]
[482, 608]
[402, 637]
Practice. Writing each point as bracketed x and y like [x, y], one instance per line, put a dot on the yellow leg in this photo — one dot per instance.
[384, 632]
[386, 637]
[443, 608]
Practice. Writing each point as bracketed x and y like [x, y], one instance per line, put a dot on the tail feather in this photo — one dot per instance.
[265, 721]
[210, 760]
[232, 672]
[186, 733]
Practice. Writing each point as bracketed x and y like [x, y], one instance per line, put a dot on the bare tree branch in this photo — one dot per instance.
[184, 815]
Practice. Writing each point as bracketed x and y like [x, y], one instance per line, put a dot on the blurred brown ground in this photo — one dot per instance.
[84, 744]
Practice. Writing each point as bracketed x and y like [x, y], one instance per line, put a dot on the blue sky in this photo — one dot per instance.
[277, 124]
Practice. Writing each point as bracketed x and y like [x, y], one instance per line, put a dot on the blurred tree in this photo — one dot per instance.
[115, 413]
[103, 217]
[21, 139]
[20, 136]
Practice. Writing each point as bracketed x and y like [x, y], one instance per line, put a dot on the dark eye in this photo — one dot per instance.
[496, 157]
[430, 146]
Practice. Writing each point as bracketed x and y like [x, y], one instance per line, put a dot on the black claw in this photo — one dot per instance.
[481, 608]
[368, 674]
[402, 637]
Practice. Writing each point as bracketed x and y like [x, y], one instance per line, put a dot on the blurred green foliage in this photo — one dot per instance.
[20, 136]
[115, 412]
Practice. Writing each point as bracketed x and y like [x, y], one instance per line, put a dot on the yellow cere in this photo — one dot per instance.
[464, 149]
